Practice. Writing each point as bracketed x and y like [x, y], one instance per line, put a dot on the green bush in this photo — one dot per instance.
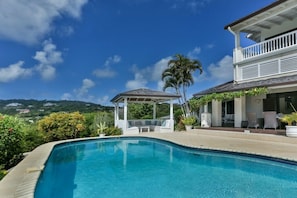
[60, 126]
[113, 131]
[2, 172]
[32, 137]
[11, 140]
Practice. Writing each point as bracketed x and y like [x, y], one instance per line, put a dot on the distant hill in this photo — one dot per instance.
[39, 108]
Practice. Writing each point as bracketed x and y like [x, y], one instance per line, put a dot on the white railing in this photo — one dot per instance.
[271, 45]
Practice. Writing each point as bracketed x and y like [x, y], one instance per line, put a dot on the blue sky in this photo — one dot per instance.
[91, 50]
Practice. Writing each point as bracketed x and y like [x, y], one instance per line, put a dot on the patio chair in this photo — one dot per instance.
[165, 127]
[270, 119]
[252, 120]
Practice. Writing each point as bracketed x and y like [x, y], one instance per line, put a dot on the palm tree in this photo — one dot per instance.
[178, 76]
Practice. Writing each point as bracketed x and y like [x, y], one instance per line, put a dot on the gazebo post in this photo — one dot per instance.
[171, 115]
[116, 113]
[154, 111]
[125, 114]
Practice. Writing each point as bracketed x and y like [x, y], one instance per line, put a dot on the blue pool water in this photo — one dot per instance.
[143, 167]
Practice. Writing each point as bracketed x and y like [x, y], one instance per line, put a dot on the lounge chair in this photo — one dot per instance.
[252, 120]
[270, 119]
[165, 127]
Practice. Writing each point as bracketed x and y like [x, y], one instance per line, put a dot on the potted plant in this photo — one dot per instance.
[100, 128]
[291, 131]
[188, 122]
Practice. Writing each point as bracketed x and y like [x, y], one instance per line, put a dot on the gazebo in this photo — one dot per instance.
[143, 96]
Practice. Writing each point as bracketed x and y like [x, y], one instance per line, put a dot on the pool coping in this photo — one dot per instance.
[22, 179]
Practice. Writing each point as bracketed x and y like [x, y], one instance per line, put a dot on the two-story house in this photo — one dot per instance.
[269, 61]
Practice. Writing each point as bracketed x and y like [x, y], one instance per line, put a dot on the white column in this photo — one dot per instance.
[239, 110]
[115, 114]
[118, 112]
[216, 118]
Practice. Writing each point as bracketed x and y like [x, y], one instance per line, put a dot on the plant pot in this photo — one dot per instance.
[291, 131]
[101, 135]
[188, 127]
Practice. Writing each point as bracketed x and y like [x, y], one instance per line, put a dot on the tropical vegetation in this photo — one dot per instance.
[196, 103]
[289, 118]
[178, 75]
[189, 120]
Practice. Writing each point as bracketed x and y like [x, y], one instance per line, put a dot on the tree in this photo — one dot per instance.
[179, 76]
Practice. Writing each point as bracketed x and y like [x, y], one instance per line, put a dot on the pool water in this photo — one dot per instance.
[144, 167]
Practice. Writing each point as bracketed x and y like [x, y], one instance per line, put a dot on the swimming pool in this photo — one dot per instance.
[145, 167]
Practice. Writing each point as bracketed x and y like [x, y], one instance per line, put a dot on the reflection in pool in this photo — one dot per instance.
[144, 167]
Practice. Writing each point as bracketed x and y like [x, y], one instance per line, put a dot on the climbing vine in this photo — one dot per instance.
[195, 103]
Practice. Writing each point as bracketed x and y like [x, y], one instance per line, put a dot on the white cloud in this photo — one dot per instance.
[28, 21]
[219, 72]
[194, 53]
[112, 60]
[193, 5]
[104, 100]
[65, 31]
[197, 4]
[84, 89]
[140, 79]
[106, 71]
[158, 68]
[66, 96]
[47, 58]
[14, 71]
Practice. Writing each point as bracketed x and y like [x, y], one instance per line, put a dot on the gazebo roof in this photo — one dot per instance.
[144, 95]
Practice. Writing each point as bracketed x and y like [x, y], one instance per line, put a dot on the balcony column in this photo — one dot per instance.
[237, 52]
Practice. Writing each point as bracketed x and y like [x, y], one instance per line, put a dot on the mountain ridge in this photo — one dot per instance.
[33, 107]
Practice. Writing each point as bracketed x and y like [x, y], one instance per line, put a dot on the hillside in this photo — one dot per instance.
[39, 108]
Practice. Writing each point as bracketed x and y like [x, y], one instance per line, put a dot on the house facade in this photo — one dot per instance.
[269, 60]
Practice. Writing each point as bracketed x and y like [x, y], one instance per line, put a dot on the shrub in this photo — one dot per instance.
[11, 140]
[2, 172]
[60, 126]
[190, 120]
[113, 131]
[32, 137]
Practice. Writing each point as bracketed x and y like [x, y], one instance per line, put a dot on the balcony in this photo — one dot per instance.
[272, 45]
[268, 59]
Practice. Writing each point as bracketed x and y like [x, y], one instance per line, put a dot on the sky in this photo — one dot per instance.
[92, 50]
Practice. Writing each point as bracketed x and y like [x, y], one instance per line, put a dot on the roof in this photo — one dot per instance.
[279, 12]
[144, 95]
[231, 86]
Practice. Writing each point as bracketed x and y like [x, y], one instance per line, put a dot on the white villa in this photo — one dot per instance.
[271, 62]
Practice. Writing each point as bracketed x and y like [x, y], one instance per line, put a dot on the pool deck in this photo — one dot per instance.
[21, 180]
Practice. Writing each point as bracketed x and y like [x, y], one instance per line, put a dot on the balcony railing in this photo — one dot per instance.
[271, 45]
